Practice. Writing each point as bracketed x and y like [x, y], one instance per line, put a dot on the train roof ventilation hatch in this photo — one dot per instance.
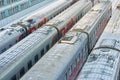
[69, 38]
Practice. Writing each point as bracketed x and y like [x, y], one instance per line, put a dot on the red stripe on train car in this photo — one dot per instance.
[19, 38]
[70, 23]
[76, 69]
[31, 30]
[62, 31]
[53, 38]
[42, 22]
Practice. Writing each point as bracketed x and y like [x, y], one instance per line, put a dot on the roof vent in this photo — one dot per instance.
[70, 38]
[118, 6]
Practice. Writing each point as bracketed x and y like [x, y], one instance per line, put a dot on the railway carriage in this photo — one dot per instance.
[64, 60]
[17, 60]
[103, 62]
[14, 33]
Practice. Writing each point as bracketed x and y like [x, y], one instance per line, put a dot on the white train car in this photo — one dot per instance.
[18, 59]
[103, 62]
[15, 32]
[64, 60]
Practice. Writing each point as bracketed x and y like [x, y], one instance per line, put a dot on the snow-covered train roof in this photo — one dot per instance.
[73, 10]
[102, 64]
[55, 60]
[93, 15]
[11, 57]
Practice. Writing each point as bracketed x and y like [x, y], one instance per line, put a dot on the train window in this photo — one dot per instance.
[65, 78]
[22, 7]
[22, 72]
[10, 45]
[2, 15]
[47, 47]
[3, 49]
[82, 50]
[29, 64]
[11, 11]
[8, 1]
[78, 17]
[36, 58]
[33, 2]
[42, 52]
[2, 2]
[16, 41]
[13, 78]
[81, 15]
[76, 20]
[70, 71]
[16, 9]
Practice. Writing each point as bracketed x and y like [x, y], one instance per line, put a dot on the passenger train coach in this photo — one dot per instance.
[103, 62]
[95, 1]
[14, 33]
[19, 9]
[17, 60]
[64, 60]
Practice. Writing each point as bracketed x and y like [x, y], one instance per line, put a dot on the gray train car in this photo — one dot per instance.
[21, 57]
[14, 33]
[64, 60]
[103, 62]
